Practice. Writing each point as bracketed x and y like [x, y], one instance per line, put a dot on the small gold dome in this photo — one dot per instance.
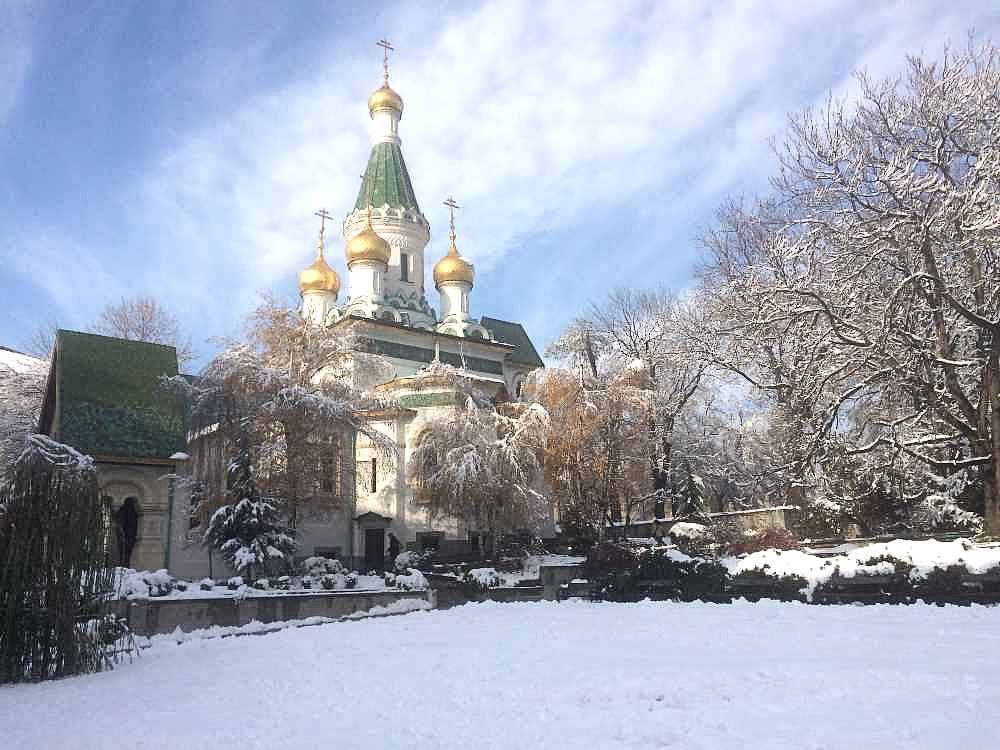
[453, 267]
[319, 277]
[385, 98]
[367, 245]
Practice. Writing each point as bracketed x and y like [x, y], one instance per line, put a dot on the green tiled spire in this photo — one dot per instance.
[387, 178]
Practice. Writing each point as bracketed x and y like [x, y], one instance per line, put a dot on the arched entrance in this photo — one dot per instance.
[126, 527]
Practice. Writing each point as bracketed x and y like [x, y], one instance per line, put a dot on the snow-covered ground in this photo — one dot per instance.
[549, 675]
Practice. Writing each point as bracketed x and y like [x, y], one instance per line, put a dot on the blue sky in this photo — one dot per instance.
[178, 149]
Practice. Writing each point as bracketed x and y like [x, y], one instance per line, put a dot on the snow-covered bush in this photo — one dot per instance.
[351, 580]
[942, 511]
[690, 577]
[694, 539]
[411, 559]
[261, 583]
[284, 583]
[206, 584]
[389, 579]
[482, 579]
[234, 583]
[412, 580]
[140, 584]
[609, 558]
[331, 581]
[317, 566]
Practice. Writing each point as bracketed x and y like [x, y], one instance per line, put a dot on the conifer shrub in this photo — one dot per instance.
[247, 530]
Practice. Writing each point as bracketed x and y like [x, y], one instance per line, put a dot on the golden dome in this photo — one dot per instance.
[367, 245]
[319, 277]
[385, 98]
[453, 267]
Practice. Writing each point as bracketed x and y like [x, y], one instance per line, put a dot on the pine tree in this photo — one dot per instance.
[691, 494]
[247, 530]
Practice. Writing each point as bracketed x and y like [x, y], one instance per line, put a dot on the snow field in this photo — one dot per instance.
[550, 675]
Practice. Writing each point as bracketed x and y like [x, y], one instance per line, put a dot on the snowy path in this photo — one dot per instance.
[570, 675]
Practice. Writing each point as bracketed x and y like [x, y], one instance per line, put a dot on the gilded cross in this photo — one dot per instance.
[386, 49]
[323, 215]
[450, 203]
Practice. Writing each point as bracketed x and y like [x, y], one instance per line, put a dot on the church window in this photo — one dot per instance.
[331, 469]
[465, 302]
[404, 266]
[374, 475]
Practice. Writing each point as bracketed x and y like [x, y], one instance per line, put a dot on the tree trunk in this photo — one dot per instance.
[991, 484]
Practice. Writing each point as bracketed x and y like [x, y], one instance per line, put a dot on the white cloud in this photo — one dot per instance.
[568, 118]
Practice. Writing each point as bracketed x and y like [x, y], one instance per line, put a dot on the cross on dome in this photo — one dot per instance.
[323, 215]
[450, 203]
[386, 49]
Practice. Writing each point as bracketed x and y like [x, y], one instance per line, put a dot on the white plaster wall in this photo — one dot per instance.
[365, 280]
[317, 305]
[452, 293]
[406, 233]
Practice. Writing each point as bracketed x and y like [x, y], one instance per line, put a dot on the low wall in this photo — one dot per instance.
[152, 616]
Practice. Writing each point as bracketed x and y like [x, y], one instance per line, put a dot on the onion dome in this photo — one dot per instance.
[385, 98]
[319, 277]
[453, 267]
[367, 245]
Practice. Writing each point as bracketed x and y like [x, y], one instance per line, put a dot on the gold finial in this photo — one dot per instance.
[453, 267]
[450, 203]
[323, 215]
[386, 49]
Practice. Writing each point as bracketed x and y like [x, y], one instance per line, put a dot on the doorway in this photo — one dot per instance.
[375, 550]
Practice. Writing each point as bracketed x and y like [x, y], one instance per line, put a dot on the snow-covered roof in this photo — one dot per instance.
[21, 363]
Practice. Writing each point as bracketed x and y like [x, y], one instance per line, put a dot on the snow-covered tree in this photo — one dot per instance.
[22, 387]
[479, 463]
[247, 529]
[597, 449]
[643, 334]
[864, 296]
[689, 494]
[292, 389]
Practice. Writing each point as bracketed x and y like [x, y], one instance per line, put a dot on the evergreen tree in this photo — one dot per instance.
[690, 499]
[247, 530]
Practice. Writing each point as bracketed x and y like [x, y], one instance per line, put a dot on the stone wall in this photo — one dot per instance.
[151, 616]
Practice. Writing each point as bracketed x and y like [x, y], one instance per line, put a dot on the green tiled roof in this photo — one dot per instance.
[514, 334]
[109, 397]
[386, 171]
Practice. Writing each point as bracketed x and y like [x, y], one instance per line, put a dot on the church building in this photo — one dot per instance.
[105, 396]
[387, 241]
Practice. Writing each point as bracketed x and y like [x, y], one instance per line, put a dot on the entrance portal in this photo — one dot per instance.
[375, 549]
